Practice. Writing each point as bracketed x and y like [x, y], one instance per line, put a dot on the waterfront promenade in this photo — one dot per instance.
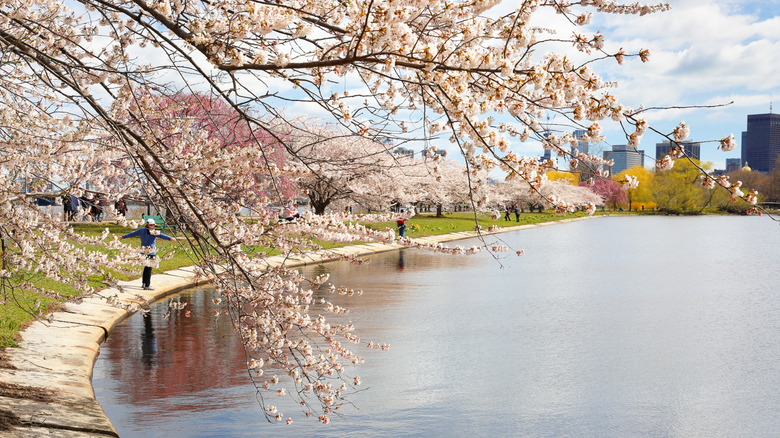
[45, 384]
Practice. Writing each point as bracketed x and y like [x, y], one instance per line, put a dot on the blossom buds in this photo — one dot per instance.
[681, 132]
[728, 144]
[665, 164]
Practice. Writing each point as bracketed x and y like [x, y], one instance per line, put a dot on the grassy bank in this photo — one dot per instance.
[13, 317]
[427, 224]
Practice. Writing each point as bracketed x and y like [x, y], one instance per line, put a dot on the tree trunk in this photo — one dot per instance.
[439, 210]
[318, 203]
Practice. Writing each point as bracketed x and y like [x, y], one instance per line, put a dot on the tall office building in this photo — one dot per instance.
[586, 171]
[761, 142]
[582, 146]
[692, 149]
[625, 157]
[547, 155]
[733, 164]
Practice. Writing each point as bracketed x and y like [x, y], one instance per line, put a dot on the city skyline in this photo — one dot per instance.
[723, 57]
[702, 53]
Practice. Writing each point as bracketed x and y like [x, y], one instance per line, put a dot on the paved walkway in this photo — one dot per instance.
[46, 384]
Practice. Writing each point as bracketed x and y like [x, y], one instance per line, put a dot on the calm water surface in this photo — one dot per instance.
[622, 326]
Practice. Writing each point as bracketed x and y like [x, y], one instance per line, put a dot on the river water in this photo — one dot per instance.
[618, 326]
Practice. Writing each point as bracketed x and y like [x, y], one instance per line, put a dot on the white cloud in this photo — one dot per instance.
[702, 53]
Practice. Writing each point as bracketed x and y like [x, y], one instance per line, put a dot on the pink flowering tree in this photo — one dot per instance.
[93, 95]
[211, 118]
[610, 191]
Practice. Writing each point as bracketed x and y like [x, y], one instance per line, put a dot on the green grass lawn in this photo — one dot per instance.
[427, 224]
[13, 318]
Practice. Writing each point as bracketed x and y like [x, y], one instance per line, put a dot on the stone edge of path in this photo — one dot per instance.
[54, 361]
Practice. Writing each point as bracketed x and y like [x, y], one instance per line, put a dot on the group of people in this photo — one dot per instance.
[89, 209]
[513, 208]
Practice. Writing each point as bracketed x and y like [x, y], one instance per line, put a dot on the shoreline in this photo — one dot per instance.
[46, 383]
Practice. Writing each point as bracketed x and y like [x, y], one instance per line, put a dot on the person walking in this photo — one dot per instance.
[148, 236]
[74, 208]
[121, 207]
[66, 208]
[401, 227]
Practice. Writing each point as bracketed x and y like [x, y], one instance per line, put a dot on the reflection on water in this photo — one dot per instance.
[148, 343]
[611, 327]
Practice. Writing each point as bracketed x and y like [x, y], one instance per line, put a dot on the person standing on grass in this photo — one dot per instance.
[401, 227]
[65, 208]
[148, 235]
[121, 207]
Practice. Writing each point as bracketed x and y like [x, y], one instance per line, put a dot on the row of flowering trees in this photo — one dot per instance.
[91, 91]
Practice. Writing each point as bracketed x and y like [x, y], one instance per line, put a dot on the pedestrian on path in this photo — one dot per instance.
[148, 235]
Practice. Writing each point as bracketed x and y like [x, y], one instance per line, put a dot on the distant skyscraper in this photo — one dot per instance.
[586, 170]
[692, 149]
[733, 164]
[582, 146]
[625, 157]
[761, 142]
[547, 152]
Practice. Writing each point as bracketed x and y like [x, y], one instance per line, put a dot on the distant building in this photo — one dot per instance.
[733, 164]
[547, 155]
[692, 149]
[582, 146]
[761, 142]
[625, 157]
[402, 151]
[586, 170]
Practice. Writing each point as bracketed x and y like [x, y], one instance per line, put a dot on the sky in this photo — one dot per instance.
[703, 52]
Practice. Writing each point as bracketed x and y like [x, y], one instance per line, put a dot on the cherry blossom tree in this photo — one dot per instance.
[610, 191]
[87, 95]
[440, 182]
[338, 165]
[559, 193]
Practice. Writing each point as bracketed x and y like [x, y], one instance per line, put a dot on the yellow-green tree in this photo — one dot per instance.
[569, 177]
[640, 197]
[678, 189]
